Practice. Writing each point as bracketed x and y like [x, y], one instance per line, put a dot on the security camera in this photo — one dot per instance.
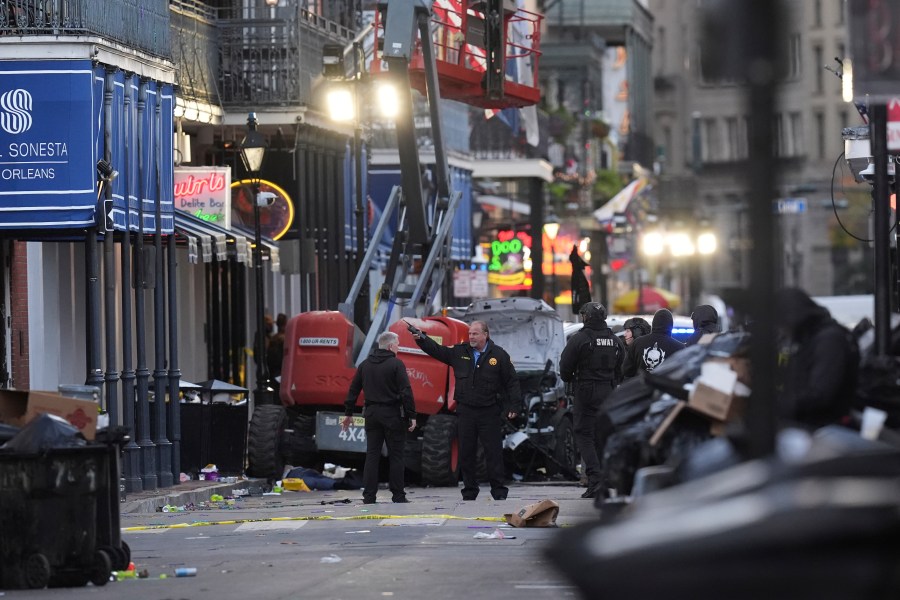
[265, 198]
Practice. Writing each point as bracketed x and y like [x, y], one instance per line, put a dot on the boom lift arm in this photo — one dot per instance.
[417, 234]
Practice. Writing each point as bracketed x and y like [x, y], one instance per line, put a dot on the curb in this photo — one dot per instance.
[195, 496]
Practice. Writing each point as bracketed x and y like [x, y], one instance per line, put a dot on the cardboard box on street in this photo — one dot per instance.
[712, 402]
[19, 407]
[713, 393]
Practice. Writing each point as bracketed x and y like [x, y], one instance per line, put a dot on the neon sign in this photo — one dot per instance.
[510, 258]
[205, 193]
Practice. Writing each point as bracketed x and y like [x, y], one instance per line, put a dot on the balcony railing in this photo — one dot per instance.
[138, 24]
[195, 50]
[274, 61]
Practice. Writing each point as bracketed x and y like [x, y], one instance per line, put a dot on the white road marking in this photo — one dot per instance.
[270, 525]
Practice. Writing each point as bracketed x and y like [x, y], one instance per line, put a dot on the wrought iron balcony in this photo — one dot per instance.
[274, 61]
[139, 24]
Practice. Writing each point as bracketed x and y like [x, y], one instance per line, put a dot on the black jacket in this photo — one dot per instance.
[706, 320]
[593, 353]
[492, 381]
[649, 351]
[819, 364]
[382, 378]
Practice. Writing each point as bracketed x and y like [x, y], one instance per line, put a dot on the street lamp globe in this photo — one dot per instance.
[706, 243]
[551, 227]
[388, 99]
[340, 105]
[680, 244]
[253, 147]
[653, 243]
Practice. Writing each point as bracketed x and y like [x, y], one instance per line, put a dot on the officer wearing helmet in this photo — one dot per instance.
[592, 359]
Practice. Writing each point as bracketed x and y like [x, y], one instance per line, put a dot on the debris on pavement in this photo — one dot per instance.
[538, 514]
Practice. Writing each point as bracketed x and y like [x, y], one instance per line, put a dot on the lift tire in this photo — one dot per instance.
[565, 450]
[440, 451]
[264, 455]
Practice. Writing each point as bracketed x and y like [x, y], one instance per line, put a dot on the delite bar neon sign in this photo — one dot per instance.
[205, 192]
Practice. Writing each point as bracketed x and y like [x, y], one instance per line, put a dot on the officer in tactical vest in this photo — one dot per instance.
[592, 359]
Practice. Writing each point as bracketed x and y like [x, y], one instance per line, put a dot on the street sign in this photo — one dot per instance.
[790, 206]
[108, 222]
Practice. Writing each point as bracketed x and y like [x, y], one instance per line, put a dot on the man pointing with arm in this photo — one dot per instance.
[487, 390]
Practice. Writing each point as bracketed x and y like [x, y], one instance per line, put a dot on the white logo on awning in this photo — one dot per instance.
[16, 111]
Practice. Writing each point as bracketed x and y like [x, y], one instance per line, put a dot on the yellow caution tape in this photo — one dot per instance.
[317, 518]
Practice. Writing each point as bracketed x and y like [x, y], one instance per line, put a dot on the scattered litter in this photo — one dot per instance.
[184, 477]
[272, 493]
[330, 559]
[496, 535]
[538, 514]
[185, 572]
[341, 501]
[295, 484]
[240, 492]
[360, 531]
[216, 498]
[209, 473]
[143, 574]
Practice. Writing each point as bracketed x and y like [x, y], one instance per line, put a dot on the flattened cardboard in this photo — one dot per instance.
[539, 514]
[667, 422]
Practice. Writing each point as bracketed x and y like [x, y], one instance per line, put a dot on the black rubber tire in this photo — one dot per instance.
[264, 457]
[101, 569]
[440, 451]
[298, 448]
[565, 450]
[126, 552]
[36, 572]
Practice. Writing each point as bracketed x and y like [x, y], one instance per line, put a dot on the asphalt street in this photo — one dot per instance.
[329, 545]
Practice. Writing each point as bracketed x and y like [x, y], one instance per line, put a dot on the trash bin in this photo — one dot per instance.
[48, 516]
[213, 433]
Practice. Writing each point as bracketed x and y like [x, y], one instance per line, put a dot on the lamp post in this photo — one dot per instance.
[253, 151]
[551, 229]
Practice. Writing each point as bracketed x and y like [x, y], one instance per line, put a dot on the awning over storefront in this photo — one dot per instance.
[270, 248]
[208, 241]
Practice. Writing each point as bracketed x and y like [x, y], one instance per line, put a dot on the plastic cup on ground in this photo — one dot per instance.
[872, 423]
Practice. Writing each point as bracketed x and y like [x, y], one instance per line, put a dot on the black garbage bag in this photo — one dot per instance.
[628, 402]
[45, 432]
[684, 366]
[822, 530]
[7, 432]
[629, 449]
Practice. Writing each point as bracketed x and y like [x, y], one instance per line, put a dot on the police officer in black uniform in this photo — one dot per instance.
[487, 390]
[592, 359]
